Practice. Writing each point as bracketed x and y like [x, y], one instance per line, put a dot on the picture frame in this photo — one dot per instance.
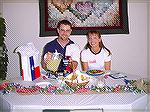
[106, 16]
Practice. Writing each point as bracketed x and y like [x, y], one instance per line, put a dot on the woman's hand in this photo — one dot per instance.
[84, 66]
[107, 65]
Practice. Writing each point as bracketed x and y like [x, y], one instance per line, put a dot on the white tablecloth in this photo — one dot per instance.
[108, 101]
[94, 101]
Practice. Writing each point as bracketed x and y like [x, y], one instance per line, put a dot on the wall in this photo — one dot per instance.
[130, 51]
[148, 39]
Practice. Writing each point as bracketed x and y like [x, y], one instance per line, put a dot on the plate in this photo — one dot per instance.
[95, 72]
[43, 84]
[117, 76]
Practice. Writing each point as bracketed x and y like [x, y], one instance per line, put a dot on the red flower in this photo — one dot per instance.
[1, 88]
[117, 89]
[83, 90]
[26, 90]
[50, 88]
[4, 85]
[44, 78]
[106, 76]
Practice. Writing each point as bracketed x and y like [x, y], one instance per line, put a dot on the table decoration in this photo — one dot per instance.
[7, 87]
[142, 84]
[27, 90]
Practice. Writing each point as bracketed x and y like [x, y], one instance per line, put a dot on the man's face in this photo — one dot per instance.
[64, 31]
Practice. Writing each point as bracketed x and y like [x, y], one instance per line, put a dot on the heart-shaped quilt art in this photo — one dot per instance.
[82, 9]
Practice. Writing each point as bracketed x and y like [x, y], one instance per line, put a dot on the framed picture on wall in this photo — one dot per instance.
[108, 16]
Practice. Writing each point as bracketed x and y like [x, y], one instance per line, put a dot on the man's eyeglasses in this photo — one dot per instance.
[63, 30]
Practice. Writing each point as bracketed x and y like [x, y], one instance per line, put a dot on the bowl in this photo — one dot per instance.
[77, 79]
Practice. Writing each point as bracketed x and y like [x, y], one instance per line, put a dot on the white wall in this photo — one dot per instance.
[129, 50]
[149, 40]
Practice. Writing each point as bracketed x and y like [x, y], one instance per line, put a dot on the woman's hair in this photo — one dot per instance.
[100, 43]
[65, 22]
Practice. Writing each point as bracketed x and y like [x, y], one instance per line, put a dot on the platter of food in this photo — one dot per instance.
[95, 72]
[77, 79]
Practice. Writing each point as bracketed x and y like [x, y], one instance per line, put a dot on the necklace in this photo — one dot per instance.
[96, 51]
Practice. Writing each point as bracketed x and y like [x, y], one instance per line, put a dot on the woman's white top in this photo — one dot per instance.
[95, 61]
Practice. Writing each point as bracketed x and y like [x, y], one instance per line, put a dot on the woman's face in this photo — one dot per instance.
[93, 40]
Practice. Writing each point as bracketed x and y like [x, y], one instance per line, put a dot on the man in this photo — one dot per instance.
[64, 29]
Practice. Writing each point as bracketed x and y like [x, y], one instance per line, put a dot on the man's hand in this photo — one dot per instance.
[73, 64]
[47, 57]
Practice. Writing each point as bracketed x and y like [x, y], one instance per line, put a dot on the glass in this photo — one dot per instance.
[53, 64]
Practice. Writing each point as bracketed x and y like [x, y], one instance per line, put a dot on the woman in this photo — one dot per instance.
[95, 55]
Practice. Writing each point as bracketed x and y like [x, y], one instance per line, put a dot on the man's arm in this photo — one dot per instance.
[73, 65]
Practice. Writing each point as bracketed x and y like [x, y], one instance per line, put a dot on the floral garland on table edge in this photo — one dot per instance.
[134, 86]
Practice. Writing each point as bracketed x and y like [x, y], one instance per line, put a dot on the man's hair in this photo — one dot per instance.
[65, 22]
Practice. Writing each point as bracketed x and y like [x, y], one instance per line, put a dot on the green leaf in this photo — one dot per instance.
[3, 50]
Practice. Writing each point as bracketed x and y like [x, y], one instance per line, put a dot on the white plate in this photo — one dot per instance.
[89, 72]
[43, 84]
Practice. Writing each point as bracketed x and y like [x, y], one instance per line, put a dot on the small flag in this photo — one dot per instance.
[32, 67]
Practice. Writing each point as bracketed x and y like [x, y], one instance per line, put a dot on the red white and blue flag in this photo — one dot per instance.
[30, 68]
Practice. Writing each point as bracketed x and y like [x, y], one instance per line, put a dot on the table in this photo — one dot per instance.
[75, 102]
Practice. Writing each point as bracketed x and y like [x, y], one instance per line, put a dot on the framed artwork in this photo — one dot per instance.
[107, 16]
